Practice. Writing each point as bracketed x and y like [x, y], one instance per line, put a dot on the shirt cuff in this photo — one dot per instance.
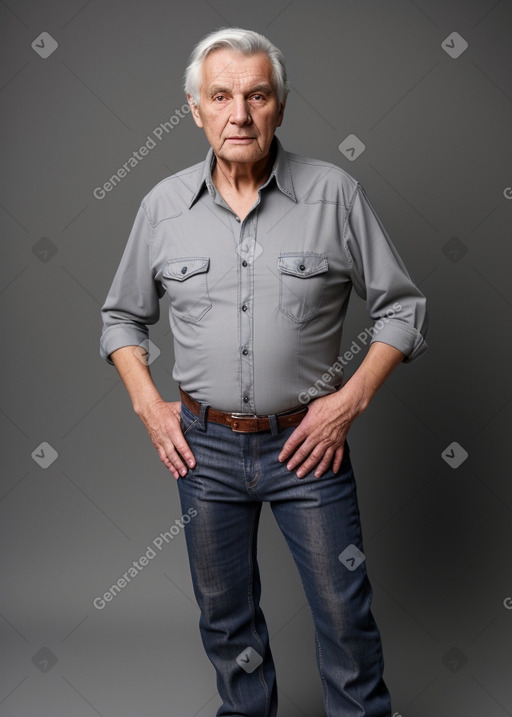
[118, 336]
[403, 337]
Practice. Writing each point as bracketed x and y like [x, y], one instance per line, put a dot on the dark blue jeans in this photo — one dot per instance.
[319, 518]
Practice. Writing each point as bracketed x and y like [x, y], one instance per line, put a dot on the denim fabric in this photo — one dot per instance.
[319, 518]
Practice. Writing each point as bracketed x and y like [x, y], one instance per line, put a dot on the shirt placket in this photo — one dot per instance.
[246, 254]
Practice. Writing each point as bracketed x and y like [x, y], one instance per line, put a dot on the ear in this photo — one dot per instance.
[281, 113]
[195, 111]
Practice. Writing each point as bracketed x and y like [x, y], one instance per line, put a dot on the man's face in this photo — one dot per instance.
[238, 106]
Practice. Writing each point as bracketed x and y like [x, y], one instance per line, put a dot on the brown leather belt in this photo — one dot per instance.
[244, 422]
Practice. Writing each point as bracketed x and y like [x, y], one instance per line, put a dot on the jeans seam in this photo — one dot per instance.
[320, 664]
[190, 427]
[252, 609]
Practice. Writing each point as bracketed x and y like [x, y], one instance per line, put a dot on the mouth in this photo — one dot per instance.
[240, 140]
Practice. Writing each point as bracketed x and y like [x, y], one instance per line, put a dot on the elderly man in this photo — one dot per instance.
[257, 250]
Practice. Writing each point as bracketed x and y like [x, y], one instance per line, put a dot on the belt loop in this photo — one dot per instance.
[202, 416]
[274, 428]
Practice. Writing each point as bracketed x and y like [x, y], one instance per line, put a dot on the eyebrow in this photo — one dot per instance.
[261, 87]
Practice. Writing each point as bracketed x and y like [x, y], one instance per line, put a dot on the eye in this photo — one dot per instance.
[218, 98]
[258, 97]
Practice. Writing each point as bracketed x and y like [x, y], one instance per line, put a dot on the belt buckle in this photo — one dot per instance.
[237, 416]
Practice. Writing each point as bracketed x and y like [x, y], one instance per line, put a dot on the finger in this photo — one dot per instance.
[167, 463]
[296, 438]
[338, 458]
[301, 454]
[178, 450]
[325, 463]
[315, 457]
[183, 448]
[173, 454]
[176, 462]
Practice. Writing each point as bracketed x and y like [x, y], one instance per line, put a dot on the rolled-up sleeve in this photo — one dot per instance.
[379, 276]
[132, 303]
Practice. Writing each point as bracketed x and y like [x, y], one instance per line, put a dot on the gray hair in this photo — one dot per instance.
[246, 42]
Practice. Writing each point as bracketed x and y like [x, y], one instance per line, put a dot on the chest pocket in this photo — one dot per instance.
[186, 283]
[302, 278]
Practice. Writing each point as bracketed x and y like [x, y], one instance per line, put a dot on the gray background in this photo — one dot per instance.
[437, 167]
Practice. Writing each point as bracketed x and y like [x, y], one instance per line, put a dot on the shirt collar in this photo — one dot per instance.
[281, 172]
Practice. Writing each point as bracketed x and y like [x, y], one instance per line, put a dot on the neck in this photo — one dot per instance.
[242, 177]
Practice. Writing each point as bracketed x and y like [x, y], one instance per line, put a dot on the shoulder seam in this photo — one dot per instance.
[344, 241]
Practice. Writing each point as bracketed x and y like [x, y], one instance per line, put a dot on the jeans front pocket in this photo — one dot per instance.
[187, 420]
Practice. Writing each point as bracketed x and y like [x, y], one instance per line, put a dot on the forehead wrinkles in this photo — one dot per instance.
[236, 72]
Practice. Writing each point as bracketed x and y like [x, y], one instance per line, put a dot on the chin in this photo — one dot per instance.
[241, 154]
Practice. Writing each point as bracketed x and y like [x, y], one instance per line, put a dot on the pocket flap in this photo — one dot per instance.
[181, 269]
[303, 265]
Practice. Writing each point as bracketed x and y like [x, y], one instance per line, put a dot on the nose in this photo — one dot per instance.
[240, 114]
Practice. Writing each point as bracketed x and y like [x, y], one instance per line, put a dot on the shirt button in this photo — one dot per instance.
[245, 352]
[184, 270]
[244, 307]
[246, 399]
[244, 263]
[302, 267]
[237, 219]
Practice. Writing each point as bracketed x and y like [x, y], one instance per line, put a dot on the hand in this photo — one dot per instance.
[319, 439]
[162, 421]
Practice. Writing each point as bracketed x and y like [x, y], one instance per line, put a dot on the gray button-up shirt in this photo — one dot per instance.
[257, 306]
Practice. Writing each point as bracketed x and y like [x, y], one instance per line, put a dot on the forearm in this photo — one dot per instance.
[377, 365]
[137, 379]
